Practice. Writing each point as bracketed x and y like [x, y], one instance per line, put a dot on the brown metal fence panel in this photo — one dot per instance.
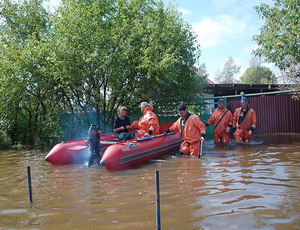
[275, 113]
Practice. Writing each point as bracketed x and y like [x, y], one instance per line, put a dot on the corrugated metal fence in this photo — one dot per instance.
[275, 113]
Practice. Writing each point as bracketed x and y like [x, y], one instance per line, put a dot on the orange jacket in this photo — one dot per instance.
[148, 120]
[222, 124]
[249, 121]
[192, 130]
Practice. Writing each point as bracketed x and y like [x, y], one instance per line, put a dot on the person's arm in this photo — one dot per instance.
[115, 126]
[234, 120]
[211, 120]
[201, 127]
[153, 123]
[134, 125]
[175, 127]
[253, 126]
[119, 129]
[127, 126]
[230, 127]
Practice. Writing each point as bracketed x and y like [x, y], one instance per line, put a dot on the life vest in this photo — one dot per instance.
[221, 119]
[248, 121]
[148, 120]
[192, 130]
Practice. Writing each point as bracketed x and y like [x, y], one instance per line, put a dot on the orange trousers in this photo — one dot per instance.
[242, 135]
[223, 137]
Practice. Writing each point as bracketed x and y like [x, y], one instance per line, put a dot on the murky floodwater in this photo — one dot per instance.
[232, 187]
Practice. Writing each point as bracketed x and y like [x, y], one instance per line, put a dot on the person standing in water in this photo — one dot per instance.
[192, 131]
[244, 122]
[222, 121]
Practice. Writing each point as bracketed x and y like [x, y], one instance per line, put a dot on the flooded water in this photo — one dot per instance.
[232, 187]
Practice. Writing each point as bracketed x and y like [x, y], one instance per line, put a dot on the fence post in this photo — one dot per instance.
[157, 201]
[29, 184]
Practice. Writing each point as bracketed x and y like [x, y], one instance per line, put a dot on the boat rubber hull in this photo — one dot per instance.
[75, 151]
[116, 155]
[124, 155]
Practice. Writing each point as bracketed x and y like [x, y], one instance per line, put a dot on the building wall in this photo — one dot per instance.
[275, 113]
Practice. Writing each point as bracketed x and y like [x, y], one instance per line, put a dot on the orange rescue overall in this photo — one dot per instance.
[221, 119]
[242, 130]
[148, 120]
[190, 133]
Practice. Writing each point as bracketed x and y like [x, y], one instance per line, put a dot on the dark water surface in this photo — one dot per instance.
[233, 187]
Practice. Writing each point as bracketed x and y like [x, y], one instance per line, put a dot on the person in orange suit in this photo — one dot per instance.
[244, 122]
[148, 124]
[222, 121]
[192, 131]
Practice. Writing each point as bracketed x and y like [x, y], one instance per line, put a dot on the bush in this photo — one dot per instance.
[5, 141]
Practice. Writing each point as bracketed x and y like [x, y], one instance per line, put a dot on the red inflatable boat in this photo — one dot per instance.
[117, 155]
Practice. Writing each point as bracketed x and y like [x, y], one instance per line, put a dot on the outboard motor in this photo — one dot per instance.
[94, 144]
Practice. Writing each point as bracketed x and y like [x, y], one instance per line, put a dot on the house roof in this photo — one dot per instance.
[206, 78]
[236, 89]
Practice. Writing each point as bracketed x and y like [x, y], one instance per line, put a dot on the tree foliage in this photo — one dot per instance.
[137, 51]
[230, 69]
[203, 70]
[26, 93]
[87, 58]
[258, 75]
[279, 38]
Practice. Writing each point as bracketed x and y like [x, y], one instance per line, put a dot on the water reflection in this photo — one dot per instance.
[231, 187]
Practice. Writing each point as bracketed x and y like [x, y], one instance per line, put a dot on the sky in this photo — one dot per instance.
[224, 28]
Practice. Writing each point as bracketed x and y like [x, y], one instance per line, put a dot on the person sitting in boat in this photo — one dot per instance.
[244, 122]
[148, 124]
[222, 121]
[122, 124]
[192, 131]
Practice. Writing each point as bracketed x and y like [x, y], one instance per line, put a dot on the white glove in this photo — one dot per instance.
[227, 130]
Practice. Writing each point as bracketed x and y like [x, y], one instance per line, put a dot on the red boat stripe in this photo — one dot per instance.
[143, 150]
[140, 158]
[148, 153]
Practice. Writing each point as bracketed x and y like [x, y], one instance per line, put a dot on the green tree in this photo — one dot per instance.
[255, 61]
[109, 53]
[230, 69]
[202, 69]
[88, 58]
[279, 37]
[258, 75]
[26, 93]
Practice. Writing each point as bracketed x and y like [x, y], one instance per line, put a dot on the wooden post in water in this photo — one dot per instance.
[157, 200]
[29, 184]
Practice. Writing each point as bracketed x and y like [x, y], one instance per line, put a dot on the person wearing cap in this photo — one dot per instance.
[192, 131]
[222, 121]
[244, 122]
[148, 124]
[122, 124]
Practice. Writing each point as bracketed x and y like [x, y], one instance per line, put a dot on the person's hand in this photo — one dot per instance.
[250, 132]
[122, 128]
[202, 139]
[146, 134]
[227, 130]
[128, 127]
